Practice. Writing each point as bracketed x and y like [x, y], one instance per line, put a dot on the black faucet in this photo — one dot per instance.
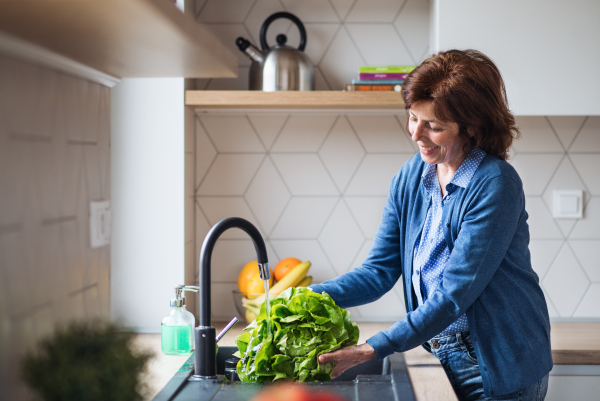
[205, 356]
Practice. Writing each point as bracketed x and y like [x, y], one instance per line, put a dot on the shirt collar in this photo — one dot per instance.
[463, 175]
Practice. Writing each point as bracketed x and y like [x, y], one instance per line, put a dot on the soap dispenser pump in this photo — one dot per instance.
[176, 330]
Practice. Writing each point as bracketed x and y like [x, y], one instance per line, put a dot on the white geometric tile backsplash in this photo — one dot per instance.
[322, 199]
[315, 185]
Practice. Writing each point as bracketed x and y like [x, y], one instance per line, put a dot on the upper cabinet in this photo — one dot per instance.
[121, 38]
[548, 51]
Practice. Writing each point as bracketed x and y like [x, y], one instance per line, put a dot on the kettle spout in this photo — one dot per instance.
[245, 46]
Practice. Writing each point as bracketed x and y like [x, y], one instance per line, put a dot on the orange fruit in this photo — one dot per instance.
[245, 274]
[256, 286]
[285, 266]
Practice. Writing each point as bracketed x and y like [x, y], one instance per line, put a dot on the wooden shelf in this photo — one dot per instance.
[294, 100]
[122, 38]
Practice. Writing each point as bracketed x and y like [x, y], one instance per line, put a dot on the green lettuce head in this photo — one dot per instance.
[304, 325]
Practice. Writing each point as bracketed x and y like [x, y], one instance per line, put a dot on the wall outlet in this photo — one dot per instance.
[100, 223]
[568, 204]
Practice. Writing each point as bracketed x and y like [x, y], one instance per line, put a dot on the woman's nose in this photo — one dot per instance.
[417, 132]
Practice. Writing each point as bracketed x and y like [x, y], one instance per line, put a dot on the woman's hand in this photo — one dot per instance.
[347, 357]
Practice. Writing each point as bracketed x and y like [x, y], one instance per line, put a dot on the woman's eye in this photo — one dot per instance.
[436, 129]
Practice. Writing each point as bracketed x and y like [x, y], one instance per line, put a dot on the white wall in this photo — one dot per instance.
[147, 156]
[547, 50]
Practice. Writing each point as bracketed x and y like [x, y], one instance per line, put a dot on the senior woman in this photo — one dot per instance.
[455, 230]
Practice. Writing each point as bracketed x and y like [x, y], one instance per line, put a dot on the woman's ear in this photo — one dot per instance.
[471, 132]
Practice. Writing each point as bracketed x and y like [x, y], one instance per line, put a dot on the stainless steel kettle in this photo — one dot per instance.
[282, 67]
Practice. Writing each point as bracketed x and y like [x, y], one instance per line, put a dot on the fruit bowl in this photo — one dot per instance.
[238, 298]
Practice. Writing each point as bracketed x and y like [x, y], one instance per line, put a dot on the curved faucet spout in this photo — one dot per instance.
[206, 254]
[204, 333]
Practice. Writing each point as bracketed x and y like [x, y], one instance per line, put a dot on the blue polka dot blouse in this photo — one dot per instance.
[432, 253]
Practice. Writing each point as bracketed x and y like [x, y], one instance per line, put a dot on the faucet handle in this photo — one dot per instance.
[227, 328]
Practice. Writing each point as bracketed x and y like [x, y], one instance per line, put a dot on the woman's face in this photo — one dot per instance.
[439, 141]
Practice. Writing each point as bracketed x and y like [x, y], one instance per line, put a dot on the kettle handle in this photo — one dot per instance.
[273, 17]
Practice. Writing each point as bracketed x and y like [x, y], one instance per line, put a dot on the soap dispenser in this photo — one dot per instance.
[177, 329]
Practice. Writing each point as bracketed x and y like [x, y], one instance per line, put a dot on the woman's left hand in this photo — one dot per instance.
[347, 357]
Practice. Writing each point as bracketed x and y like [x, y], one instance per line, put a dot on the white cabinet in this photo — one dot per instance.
[548, 51]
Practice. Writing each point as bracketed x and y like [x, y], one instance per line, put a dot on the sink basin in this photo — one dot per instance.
[385, 380]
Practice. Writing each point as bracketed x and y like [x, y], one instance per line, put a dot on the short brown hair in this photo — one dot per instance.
[466, 87]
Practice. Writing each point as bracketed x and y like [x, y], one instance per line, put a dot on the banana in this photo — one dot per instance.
[250, 316]
[306, 281]
[292, 279]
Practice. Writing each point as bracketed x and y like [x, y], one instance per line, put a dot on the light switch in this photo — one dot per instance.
[568, 204]
[100, 223]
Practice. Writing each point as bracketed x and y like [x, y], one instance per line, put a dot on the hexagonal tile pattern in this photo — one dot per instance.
[588, 139]
[304, 174]
[587, 167]
[221, 298]
[267, 195]
[340, 63]
[367, 211]
[380, 133]
[341, 238]
[311, 10]
[566, 127]
[303, 133]
[320, 82]
[565, 177]
[239, 170]
[342, 7]
[543, 253]
[389, 308]
[293, 223]
[320, 269]
[362, 255]
[375, 174]
[232, 133]
[320, 37]
[411, 28]
[205, 153]
[566, 282]
[537, 136]
[588, 308]
[268, 126]
[341, 153]
[535, 170]
[231, 255]
[588, 254]
[217, 208]
[202, 227]
[587, 228]
[378, 52]
[374, 11]
[541, 223]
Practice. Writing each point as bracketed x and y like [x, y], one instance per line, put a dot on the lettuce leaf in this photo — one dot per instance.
[304, 325]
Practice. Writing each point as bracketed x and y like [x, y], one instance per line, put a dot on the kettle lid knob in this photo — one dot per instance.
[281, 39]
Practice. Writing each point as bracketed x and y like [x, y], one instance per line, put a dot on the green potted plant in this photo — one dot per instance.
[86, 360]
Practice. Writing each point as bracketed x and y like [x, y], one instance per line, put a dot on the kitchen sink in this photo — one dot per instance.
[386, 380]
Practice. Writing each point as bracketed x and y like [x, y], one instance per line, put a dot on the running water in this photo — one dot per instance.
[268, 306]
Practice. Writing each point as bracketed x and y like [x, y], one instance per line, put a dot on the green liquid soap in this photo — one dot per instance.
[176, 340]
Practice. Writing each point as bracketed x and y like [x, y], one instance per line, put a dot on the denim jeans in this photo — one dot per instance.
[457, 355]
